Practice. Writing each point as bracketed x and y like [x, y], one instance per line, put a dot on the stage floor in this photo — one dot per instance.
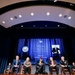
[46, 69]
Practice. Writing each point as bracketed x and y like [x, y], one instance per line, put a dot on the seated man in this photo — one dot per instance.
[27, 66]
[53, 65]
[73, 67]
[64, 65]
[8, 69]
[40, 67]
[16, 64]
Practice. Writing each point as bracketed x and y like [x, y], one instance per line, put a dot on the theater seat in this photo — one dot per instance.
[7, 71]
[22, 69]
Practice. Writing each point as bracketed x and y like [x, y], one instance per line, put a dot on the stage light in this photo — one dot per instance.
[69, 17]
[45, 25]
[3, 22]
[55, 0]
[11, 18]
[21, 25]
[60, 15]
[48, 13]
[58, 25]
[32, 14]
[71, 4]
[20, 16]
[33, 25]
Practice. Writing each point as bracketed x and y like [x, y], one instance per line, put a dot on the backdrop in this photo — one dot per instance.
[40, 47]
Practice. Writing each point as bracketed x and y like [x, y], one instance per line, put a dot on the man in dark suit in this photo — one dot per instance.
[40, 66]
[16, 64]
[64, 64]
[53, 65]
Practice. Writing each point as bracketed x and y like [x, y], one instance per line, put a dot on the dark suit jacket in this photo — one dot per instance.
[65, 62]
[18, 62]
[53, 61]
[43, 66]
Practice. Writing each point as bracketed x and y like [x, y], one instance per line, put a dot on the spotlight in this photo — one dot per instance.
[21, 25]
[33, 25]
[69, 17]
[58, 25]
[32, 14]
[60, 15]
[45, 25]
[11, 18]
[3, 22]
[55, 0]
[48, 13]
[20, 16]
[71, 4]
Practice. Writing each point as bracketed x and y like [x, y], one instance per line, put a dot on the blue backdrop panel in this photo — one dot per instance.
[40, 48]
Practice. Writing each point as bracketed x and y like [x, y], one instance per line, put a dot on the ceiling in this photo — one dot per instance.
[36, 13]
[9, 2]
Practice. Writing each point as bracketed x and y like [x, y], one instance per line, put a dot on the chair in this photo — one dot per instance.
[65, 69]
[53, 70]
[73, 71]
[6, 71]
[22, 69]
[15, 69]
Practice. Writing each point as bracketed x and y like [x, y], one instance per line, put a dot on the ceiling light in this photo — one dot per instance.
[20, 16]
[58, 25]
[60, 15]
[11, 18]
[69, 17]
[55, 0]
[45, 25]
[32, 14]
[71, 4]
[3, 22]
[21, 25]
[33, 25]
[48, 13]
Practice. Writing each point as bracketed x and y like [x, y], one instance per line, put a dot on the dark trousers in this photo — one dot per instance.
[69, 69]
[40, 69]
[15, 70]
[27, 70]
[51, 69]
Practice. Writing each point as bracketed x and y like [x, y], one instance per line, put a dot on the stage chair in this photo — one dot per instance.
[22, 69]
[54, 70]
[66, 71]
[73, 71]
[7, 71]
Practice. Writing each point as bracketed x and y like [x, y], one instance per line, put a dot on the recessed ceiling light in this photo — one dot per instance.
[45, 25]
[20, 16]
[60, 15]
[11, 18]
[33, 25]
[58, 25]
[32, 14]
[3, 22]
[21, 25]
[69, 17]
[71, 4]
[55, 0]
[48, 13]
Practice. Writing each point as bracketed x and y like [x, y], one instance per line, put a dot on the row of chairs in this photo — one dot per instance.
[21, 71]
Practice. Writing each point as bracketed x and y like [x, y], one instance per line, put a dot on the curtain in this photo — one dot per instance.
[40, 47]
[21, 43]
